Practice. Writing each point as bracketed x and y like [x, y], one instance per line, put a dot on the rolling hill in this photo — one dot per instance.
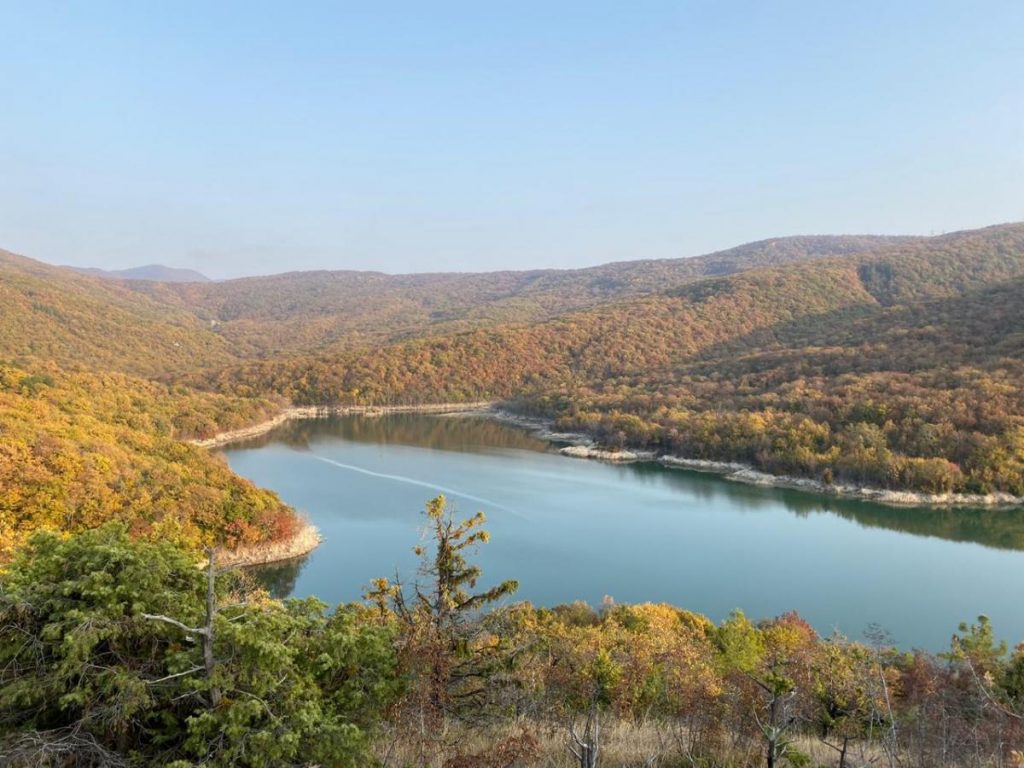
[894, 362]
[312, 311]
[56, 314]
[898, 367]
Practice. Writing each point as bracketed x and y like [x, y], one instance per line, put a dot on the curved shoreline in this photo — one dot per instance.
[744, 473]
[302, 543]
[582, 446]
[308, 537]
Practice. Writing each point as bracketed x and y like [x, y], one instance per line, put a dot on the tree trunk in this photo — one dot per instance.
[211, 611]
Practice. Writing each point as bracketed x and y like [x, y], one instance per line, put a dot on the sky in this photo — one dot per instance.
[254, 138]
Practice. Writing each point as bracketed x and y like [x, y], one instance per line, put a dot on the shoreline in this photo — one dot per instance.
[582, 446]
[308, 537]
[302, 543]
[747, 474]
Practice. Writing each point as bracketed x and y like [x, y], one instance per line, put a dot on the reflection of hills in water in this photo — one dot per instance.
[444, 433]
[279, 578]
[999, 528]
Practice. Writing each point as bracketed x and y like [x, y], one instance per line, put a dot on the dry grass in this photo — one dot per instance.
[623, 745]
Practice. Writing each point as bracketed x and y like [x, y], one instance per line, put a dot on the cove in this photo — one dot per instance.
[569, 529]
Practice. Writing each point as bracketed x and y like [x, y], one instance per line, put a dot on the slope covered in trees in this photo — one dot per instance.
[120, 653]
[899, 367]
[316, 311]
[81, 449]
[155, 327]
[54, 314]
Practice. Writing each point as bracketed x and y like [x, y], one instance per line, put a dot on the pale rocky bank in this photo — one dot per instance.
[743, 473]
[302, 543]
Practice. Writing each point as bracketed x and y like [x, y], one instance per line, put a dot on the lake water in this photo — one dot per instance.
[570, 529]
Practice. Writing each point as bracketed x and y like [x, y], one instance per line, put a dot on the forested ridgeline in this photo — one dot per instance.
[78, 449]
[334, 311]
[58, 315]
[153, 328]
[116, 652]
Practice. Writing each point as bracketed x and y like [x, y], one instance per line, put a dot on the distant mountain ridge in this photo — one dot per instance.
[157, 273]
[309, 311]
[65, 314]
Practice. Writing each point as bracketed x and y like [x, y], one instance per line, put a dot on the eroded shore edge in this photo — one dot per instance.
[581, 446]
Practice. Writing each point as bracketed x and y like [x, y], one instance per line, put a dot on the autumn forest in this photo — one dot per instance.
[890, 363]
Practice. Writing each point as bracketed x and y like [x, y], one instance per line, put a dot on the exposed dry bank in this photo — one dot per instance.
[304, 541]
[582, 446]
[743, 473]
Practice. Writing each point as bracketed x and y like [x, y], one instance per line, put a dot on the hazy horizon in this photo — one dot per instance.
[243, 140]
[468, 271]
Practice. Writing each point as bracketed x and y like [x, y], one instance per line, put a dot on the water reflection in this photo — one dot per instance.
[279, 578]
[438, 432]
[998, 528]
[570, 529]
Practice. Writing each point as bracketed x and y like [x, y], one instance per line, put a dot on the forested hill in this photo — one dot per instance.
[899, 367]
[153, 328]
[175, 330]
[310, 311]
[81, 449]
[56, 314]
[641, 336]
[895, 363]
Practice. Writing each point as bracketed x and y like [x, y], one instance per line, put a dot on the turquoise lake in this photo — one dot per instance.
[570, 529]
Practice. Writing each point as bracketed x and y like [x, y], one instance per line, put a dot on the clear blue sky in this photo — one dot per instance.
[250, 137]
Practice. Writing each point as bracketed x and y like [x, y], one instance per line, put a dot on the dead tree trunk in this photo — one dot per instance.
[586, 748]
[779, 722]
[211, 611]
[205, 631]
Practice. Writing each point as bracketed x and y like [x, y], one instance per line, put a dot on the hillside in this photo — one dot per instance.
[898, 367]
[152, 328]
[52, 313]
[313, 311]
[81, 449]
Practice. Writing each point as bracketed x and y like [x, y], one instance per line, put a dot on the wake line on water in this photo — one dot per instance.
[413, 481]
